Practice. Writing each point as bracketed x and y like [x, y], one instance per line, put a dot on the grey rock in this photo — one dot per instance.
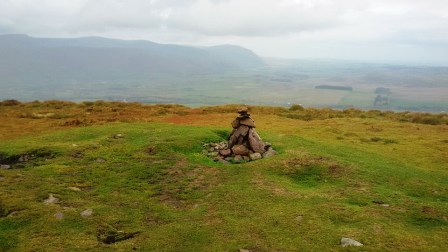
[117, 136]
[243, 110]
[86, 213]
[223, 161]
[248, 122]
[24, 158]
[256, 144]
[5, 166]
[2, 178]
[51, 200]
[299, 218]
[345, 242]
[213, 154]
[235, 123]
[244, 250]
[242, 131]
[238, 159]
[270, 153]
[225, 152]
[100, 160]
[255, 156]
[76, 189]
[240, 150]
[59, 216]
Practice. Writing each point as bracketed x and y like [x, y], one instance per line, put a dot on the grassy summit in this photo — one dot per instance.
[378, 177]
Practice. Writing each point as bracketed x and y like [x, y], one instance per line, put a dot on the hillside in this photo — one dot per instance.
[31, 62]
[129, 176]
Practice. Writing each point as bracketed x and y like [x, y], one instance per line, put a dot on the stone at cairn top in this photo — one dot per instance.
[243, 110]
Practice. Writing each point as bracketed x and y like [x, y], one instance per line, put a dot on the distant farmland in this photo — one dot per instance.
[346, 88]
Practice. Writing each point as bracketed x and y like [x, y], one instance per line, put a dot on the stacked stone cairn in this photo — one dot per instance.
[244, 144]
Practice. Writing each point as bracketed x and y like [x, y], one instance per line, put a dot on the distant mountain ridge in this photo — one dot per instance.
[29, 60]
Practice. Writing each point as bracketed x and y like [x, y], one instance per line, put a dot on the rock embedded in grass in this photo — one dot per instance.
[5, 167]
[346, 242]
[117, 136]
[86, 213]
[51, 200]
[59, 216]
[73, 188]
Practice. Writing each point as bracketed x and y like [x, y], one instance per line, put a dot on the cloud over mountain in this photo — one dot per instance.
[295, 28]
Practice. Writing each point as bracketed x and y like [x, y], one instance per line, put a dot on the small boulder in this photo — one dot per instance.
[269, 153]
[345, 242]
[255, 156]
[238, 159]
[100, 160]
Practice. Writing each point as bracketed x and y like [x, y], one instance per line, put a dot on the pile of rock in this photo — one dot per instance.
[244, 144]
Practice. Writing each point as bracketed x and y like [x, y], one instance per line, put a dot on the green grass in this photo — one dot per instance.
[155, 183]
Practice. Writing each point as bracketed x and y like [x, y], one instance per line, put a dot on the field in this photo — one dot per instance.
[279, 83]
[130, 176]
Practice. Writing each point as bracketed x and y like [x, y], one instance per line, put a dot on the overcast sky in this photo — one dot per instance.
[404, 31]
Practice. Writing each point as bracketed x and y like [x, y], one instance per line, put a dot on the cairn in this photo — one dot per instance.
[244, 144]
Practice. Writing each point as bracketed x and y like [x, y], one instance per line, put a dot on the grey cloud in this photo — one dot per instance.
[271, 27]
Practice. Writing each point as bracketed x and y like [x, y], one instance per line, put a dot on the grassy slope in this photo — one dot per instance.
[156, 182]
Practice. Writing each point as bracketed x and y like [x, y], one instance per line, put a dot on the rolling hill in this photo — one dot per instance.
[101, 176]
[32, 61]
